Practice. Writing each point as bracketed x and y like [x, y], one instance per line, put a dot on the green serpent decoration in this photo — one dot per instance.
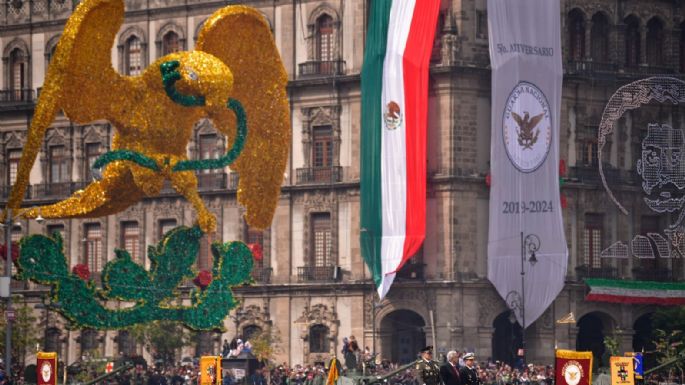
[41, 260]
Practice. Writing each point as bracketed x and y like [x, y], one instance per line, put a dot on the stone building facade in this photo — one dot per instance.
[312, 288]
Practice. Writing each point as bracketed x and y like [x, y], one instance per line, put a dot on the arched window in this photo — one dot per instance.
[318, 339]
[576, 33]
[18, 73]
[126, 344]
[89, 340]
[250, 332]
[133, 55]
[324, 38]
[170, 43]
[599, 36]
[655, 42]
[632, 41]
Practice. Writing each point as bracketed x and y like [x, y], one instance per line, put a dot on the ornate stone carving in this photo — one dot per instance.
[318, 314]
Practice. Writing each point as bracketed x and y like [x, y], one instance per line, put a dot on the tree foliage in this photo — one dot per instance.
[162, 338]
[25, 331]
[265, 345]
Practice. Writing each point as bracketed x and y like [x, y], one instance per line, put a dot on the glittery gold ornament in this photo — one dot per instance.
[235, 73]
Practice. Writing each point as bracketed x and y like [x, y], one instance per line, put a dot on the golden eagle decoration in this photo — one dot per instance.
[234, 77]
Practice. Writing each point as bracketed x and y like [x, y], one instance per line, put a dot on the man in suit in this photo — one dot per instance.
[469, 374]
[449, 371]
[427, 370]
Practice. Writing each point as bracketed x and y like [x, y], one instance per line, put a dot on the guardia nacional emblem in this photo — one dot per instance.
[527, 127]
[46, 371]
[572, 372]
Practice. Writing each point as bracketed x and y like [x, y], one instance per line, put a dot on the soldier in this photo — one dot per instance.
[468, 373]
[427, 370]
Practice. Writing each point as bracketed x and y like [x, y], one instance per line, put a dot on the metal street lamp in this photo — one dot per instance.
[530, 244]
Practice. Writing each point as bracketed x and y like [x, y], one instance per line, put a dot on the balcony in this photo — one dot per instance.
[57, 190]
[586, 271]
[411, 272]
[5, 192]
[654, 274]
[590, 175]
[262, 275]
[233, 179]
[315, 175]
[211, 181]
[322, 68]
[16, 96]
[315, 273]
[590, 68]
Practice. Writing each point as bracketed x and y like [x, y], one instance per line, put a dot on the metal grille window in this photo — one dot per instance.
[321, 239]
[588, 153]
[89, 340]
[208, 149]
[134, 56]
[92, 154]
[324, 38]
[322, 155]
[482, 24]
[592, 240]
[632, 42]
[318, 339]
[170, 43]
[255, 236]
[93, 247]
[126, 343]
[599, 37]
[58, 164]
[165, 225]
[251, 331]
[18, 65]
[13, 157]
[130, 239]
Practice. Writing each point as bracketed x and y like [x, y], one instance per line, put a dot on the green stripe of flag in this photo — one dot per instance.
[370, 183]
[638, 285]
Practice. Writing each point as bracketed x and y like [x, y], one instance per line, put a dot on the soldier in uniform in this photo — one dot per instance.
[468, 373]
[427, 370]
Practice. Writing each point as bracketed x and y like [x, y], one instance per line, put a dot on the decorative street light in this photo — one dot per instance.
[530, 244]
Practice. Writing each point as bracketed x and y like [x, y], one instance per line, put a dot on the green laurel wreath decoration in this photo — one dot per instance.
[82, 302]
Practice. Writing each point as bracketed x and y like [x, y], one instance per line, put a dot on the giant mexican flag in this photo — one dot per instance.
[394, 84]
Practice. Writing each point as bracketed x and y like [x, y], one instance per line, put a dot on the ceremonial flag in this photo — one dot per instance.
[622, 371]
[46, 368]
[573, 368]
[210, 370]
[638, 367]
[394, 84]
[525, 208]
[641, 292]
[333, 372]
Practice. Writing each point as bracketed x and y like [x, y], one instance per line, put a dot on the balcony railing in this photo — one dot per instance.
[315, 273]
[589, 68]
[17, 96]
[654, 274]
[211, 181]
[411, 271]
[5, 192]
[590, 175]
[585, 271]
[233, 179]
[331, 174]
[57, 190]
[262, 275]
[322, 68]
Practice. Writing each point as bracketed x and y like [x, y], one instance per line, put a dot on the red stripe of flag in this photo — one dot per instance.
[638, 300]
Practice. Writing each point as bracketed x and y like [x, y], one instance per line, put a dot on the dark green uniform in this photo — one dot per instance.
[428, 373]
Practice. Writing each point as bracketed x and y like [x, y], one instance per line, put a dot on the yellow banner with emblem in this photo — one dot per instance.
[622, 371]
[210, 370]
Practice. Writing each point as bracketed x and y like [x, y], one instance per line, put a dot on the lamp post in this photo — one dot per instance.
[530, 244]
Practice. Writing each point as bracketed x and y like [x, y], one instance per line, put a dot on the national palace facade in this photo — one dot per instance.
[311, 288]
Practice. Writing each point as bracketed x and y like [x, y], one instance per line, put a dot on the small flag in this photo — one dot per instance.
[622, 371]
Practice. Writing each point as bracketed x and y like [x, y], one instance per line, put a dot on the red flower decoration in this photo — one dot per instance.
[564, 201]
[256, 250]
[203, 279]
[488, 180]
[15, 251]
[82, 271]
[562, 168]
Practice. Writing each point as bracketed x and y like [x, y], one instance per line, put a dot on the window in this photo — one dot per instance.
[18, 73]
[93, 247]
[170, 43]
[134, 56]
[53, 341]
[58, 164]
[436, 53]
[481, 24]
[588, 153]
[632, 41]
[208, 147]
[204, 257]
[592, 240]
[318, 339]
[52, 229]
[13, 157]
[251, 331]
[89, 340]
[576, 33]
[165, 225]
[92, 154]
[655, 42]
[321, 240]
[130, 239]
[253, 235]
[322, 155]
[16, 234]
[324, 38]
[126, 343]
[599, 36]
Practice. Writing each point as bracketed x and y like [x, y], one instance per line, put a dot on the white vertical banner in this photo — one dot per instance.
[525, 210]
